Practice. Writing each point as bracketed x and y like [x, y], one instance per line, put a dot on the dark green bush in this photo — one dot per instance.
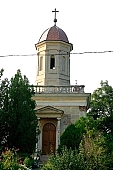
[68, 138]
[72, 135]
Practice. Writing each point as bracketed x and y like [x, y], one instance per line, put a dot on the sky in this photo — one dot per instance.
[87, 23]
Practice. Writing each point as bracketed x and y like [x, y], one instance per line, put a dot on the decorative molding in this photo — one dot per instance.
[49, 109]
[58, 118]
[61, 103]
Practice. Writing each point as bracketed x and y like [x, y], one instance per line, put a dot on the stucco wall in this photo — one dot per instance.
[71, 104]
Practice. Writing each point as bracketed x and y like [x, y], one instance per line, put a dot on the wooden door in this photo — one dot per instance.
[48, 139]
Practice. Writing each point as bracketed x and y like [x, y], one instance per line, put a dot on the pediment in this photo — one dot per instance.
[49, 111]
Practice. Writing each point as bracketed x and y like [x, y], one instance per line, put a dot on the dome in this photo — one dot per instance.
[54, 33]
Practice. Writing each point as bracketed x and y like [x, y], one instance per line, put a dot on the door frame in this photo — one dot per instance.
[48, 114]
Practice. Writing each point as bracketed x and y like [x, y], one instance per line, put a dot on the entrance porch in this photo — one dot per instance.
[49, 125]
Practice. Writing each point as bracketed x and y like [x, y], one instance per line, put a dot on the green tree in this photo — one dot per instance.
[68, 138]
[101, 109]
[101, 104]
[18, 115]
[73, 134]
[3, 95]
[93, 149]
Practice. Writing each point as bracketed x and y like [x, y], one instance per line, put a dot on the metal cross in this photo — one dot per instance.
[55, 20]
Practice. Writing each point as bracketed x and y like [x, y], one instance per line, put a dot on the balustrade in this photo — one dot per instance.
[59, 89]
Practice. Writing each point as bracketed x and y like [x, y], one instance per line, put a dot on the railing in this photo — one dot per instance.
[59, 89]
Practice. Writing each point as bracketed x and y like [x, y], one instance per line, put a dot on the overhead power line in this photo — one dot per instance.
[11, 55]
[94, 52]
[88, 52]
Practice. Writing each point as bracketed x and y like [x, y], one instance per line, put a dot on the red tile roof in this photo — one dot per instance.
[54, 33]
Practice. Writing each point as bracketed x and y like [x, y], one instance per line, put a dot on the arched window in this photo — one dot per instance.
[52, 62]
[41, 63]
[63, 63]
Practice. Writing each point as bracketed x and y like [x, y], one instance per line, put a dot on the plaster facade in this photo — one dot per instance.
[58, 72]
[60, 108]
[58, 104]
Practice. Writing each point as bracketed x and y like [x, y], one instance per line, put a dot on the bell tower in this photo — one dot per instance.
[53, 51]
[58, 104]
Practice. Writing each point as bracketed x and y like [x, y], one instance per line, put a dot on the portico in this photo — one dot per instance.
[49, 123]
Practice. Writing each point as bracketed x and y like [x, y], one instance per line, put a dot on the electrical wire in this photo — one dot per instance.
[89, 52]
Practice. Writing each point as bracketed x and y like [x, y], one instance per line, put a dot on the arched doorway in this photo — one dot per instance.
[48, 138]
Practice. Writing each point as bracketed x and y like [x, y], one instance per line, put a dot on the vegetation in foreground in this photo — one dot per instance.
[88, 144]
[18, 121]
[85, 145]
[11, 160]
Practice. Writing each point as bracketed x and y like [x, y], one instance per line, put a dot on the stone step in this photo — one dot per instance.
[44, 158]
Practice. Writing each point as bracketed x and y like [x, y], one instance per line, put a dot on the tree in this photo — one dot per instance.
[73, 134]
[18, 115]
[102, 101]
[3, 93]
[93, 149]
[101, 109]
[68, 137]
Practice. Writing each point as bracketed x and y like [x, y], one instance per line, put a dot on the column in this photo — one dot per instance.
[38, 137]
[58, 130]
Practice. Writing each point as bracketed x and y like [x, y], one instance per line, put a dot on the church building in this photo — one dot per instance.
[58, 104]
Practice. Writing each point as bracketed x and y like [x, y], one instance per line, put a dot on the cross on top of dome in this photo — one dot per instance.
[54, 33]
[55, 20]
